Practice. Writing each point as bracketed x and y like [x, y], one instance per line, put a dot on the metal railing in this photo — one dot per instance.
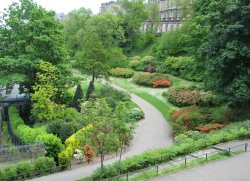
[183, 160]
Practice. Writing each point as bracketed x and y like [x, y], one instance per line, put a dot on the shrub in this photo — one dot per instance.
[136, 58]
[24, 170]
[148, 59]
[30, 135]
[122, 72]
[44, 165]
[152, 80]
[189, 118]
[77, 98]
[182, 97]
[185, 67]
[135, 114]
[10, 173]
[134, 63]
[209, 127]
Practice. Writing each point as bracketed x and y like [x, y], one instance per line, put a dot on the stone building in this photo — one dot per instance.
[171, 15]
[107, 7]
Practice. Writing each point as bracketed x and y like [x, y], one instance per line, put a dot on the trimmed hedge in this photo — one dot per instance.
[30, 135]
[185, 146]
[122, 72]
[23, 171]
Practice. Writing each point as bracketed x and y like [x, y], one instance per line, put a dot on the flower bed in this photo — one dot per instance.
[122, 72]
[152, 80]
[209, 127]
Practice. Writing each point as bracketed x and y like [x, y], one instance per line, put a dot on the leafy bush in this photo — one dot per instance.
[122, 72]
[44, 165]
[32, 135]
[135, 114]
[152, 80]
[188, 144]
[10, 173]
[182, 97]
[24, 170]
[148, 59]
[185, 67]
[189, 118]
[136, 58]
[134, 63]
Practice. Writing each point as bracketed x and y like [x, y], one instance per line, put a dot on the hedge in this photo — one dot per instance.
[185, 146]
[30, 135]
[23, 170]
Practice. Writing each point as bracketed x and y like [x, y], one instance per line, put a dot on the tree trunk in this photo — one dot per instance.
[102, 160]
[120, 159]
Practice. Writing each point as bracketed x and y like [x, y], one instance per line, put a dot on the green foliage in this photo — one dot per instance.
[30, 33]
[227, 58]
[44, 165]
[90, 89]
[10, 173]
[134, 63]
[135, 114]
[77, 98]
[126, 12]
[189, 118]
[122, 72]
[149, 79]
[43, 108]
[32, 135]
[99, 45]
[182, 97]
[185, 67]
[24, 170]
[75, 22]
[188, 145]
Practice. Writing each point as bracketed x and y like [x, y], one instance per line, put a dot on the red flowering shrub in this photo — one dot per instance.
[190, 118]
[161, 83]
[152, 80]
[209, 127]
[88, 153]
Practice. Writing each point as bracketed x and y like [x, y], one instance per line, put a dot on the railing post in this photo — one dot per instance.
[185, 162]
[157, 170]
[127, 176]
[229, 149]
[246, 145]
[206, 156]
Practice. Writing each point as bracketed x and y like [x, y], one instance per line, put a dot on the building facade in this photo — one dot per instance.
[107, 7]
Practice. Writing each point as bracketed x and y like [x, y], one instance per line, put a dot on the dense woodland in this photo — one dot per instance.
[202, 68]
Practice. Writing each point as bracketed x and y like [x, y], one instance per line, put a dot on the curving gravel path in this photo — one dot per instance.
[152, 132]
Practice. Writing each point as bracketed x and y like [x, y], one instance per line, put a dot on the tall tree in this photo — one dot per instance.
[227, 50]
[131, 15]
[73, 24]
[29, 34]
[99, 45]
[77, 98]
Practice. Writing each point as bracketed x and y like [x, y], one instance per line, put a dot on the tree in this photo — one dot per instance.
[29, 34]
[102, 137]
[153, 9]
[75, 22]
[99, 43]
[43, 108]
[77, 98]
[227, 50]
[131, 15]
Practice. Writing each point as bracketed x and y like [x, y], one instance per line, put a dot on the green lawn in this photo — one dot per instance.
[154, 95]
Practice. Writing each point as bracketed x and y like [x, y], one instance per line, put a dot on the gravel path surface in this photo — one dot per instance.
[152, 132]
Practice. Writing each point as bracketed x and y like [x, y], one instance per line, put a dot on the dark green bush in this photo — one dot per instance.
[135, 114]
[44, 165]
[188, 145]
[24, 170]
[10, 173]
[77, 98]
